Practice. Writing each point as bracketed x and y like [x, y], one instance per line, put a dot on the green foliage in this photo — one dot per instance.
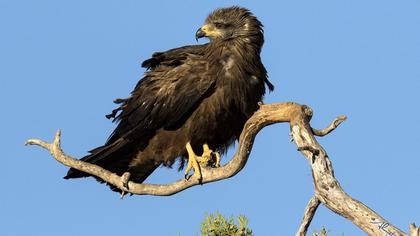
[323, 232]
[218, 225]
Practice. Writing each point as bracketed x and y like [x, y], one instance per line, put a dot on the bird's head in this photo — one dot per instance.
[231, 22]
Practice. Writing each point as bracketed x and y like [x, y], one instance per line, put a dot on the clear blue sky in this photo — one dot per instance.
[63, 62]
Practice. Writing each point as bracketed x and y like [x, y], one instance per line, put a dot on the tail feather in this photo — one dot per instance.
[111, 157]
[93, 157]
[117, 160]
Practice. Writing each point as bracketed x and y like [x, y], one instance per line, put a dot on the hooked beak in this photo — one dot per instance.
[199, 34]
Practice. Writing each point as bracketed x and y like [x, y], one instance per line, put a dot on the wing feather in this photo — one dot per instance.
[164, 97]
[173, 57]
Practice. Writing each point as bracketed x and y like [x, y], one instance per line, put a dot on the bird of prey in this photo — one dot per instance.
[192, 102]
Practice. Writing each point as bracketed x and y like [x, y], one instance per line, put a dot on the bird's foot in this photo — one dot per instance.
[125, 178]
[192, 164]
[217, 162]
[209, 157]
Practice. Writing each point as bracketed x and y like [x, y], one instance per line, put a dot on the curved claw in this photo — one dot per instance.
[192, 164]
[210, 158]
[217, 163]
[207, 153]
[125, 178]
[206, 159]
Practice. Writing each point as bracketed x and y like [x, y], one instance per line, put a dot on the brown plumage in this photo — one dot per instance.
[198, 94]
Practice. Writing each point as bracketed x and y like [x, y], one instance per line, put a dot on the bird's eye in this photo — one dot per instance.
[218, 24]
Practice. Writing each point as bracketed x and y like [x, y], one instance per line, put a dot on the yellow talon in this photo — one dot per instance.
[207, 156]
[194, 161]
[217, 164]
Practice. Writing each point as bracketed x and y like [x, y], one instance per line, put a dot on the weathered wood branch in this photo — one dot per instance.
[414, 230]
[327, 189]
[308, 216]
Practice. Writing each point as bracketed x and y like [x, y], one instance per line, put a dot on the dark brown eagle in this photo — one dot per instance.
[192, 100]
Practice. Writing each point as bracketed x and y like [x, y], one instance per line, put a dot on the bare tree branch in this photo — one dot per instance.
[336, 122]
[260, 119]
[327, 189]
[414, 230]
[308, 216]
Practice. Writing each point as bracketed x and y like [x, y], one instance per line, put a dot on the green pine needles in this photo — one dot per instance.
[218, 225]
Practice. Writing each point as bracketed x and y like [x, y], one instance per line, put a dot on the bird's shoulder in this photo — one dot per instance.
[174, 57]
[175, 82]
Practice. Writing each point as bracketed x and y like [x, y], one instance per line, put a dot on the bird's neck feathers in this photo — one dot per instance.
[245, 47]
[250, 34]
